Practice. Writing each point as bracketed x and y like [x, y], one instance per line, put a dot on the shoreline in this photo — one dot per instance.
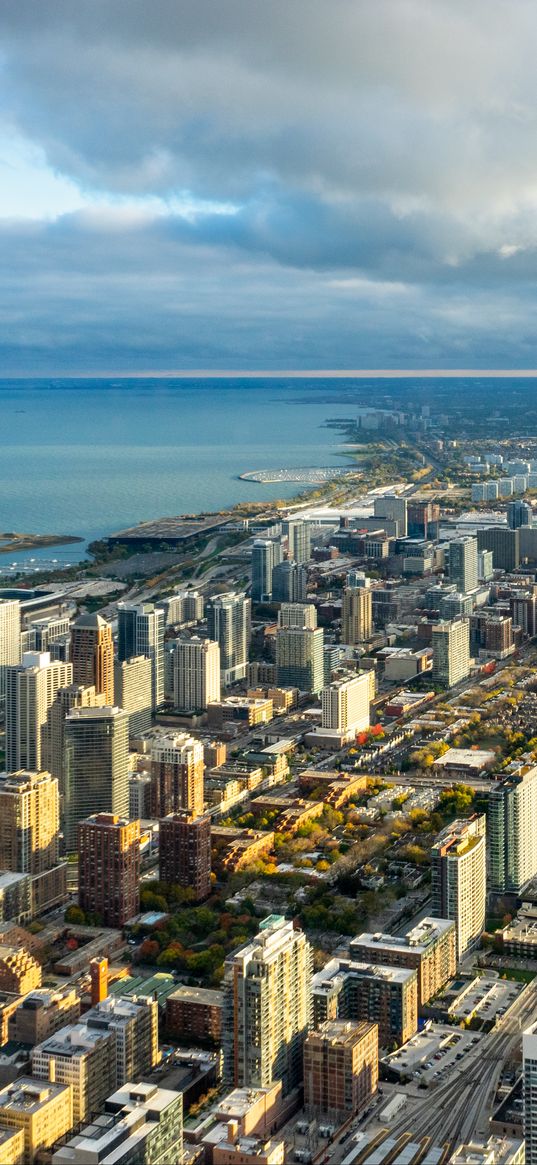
[19, 542]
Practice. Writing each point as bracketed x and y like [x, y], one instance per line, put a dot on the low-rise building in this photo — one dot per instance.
[240, 709]
[233, 849]
[82, 1057]
[12, 1146]
[138, 1123]
[194, 1013]
[429, 948]
[43, 1110]
[388, 996]
[19, 971]
[43, 1012]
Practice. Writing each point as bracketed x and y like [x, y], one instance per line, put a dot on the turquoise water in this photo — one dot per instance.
[89, 458]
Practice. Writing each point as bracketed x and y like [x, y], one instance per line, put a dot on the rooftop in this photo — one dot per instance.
[419, 939]
[28, 1095]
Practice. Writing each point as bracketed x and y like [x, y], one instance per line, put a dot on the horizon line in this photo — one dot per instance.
[276, 374]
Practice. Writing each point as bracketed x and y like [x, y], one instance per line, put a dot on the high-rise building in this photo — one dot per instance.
[185, 852]
[267, 1007]
[356, 615]
[396, 509]
[451, 652]
[423, 520]
[134, 1024]
[184, 607]
[196, 674]
[10, 640]
[109, 868]
[30, 691]
[519, 514]
[299, 615]
[298, 534]
[81, 1057]
[266, 554]
[96, 768]
[524, 612]
[485, 568]
[340, 1069]
[140, 1123]
[289, 582]
[387, 996]
[29, 835]
[177, 769]
[345, 704]
[92, 654]
[48, 630]
[133, 682]
[529, 1076]
[459, 876]
[511, 832]
[141, 632]
[463, 564]
[429, 948]
[299, 658]
[504, 544]
[41, 1109]
[67, 698]
[229, 624]
[42, 1012]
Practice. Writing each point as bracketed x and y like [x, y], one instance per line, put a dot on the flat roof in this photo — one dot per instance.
[473, 758]
[418, 939]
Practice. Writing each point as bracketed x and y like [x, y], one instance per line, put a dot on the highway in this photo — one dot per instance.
[461, 1107]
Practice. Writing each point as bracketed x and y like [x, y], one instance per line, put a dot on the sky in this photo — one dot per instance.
[267, 184]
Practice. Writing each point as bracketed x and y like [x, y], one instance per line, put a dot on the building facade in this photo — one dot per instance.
[109, 868]
[92, 655]
[96, 766]
[185, 852]
[459, 880]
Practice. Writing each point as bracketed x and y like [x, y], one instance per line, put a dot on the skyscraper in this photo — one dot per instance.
[340, 1068]
[67, 698]
[451, 652]
[299, 658]
[345, 704]
[396, 509]
[92, 654]
[96, 766]
[298, 534]
[289, 582]
[459, 875]
[185, 852]
[196, 673]
[266, 554]
[141, 632]
[29, 835]
[267, 1007]
[504, 544]
[10, 640]
[30, 691]
[109, 868]
[177, 769]
[299, 615]
[529, 1076]
[519, 513]
[511, 832]
[229, 624]
[357, 614]
[463, 564]
[133, 684]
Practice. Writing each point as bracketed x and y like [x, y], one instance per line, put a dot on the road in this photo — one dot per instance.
[461, 1107]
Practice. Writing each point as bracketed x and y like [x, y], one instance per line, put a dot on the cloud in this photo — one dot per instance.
[316, 181]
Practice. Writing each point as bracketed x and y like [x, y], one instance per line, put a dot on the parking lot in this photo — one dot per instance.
[486, 998]
[432, 1053]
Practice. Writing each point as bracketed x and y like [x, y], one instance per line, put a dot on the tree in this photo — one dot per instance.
[75, 915]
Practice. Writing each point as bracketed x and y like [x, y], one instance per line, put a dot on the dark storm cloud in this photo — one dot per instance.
[378, 155]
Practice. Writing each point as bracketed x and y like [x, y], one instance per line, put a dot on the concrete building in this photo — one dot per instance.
[96, 766]
[299, 658]
[177, 768]
[511, 832]
[139, 796]
[504, 544]
[10, 640]
[67, 698]
[92, 653]
[394, 508]
[298, 534]
[229, 625]
[451, 652]
[12, 1146]
[459, 874]
[196, 674]
[267, 1007]
[519, 514]
[141, 632]
[340, 1069]
[387, 996]
[19, 971]
[42, 1110]
[81, 1057]
[16, 898]
[498, 1150]
[194, 1013]
[183, 608]
[429, 948]
[140, 1124]
[185, 852]
[289, 582]
[29, 835]
[109, 868]
[357, 614]
[134, 1023]
[133, 691]
[345, 705]
[463, 566]
[266, 554]
[31, 689]
[300, 615]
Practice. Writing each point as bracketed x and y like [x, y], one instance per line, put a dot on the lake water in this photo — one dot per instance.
[90, 457]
